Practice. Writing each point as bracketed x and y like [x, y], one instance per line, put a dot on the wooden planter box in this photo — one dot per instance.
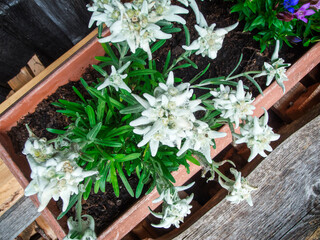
[70, 67]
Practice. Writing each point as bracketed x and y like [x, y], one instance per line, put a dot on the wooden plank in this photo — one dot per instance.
[24, 76]
[16, 96]
[10, 190]
[17, 218]
[35, 65]
[289, 191]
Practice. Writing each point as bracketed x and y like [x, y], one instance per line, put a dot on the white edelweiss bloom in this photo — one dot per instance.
[201, 140]
[239, 189]
[38, 148]
[234, 105]
[168, 116]
[210, 40]
[174, 209]
[275, 70]
[150, 34]
[104, 11]
[257, 135]
[199, 16]
[135, 22]
[58, 176]
[87, 227]
[164, 10]
[115, 79]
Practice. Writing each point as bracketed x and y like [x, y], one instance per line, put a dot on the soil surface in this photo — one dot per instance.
[105, 207]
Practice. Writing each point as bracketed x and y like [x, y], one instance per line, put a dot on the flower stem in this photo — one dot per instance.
[79, 210]
[224, 177]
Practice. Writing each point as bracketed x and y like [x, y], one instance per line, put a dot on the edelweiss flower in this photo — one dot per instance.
[234, 105]
[54, 176]
[210, 40]
[39, 149]
[87, 227]
[115, 79]
[199, 16]
[201, 140]
[174, 209]
[257, 135]
[277, 69]
[168, 116]
[239, 189]
[135, 22]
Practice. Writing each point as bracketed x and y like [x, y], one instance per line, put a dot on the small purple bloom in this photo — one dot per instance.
[285, 16]
[303, 11]
[294, 39]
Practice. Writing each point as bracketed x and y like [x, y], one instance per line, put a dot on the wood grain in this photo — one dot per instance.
[10, 190]
[287, 201]
[17, 218]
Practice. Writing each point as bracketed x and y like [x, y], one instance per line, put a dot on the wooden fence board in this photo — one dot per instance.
[17, 218]
[286, 202]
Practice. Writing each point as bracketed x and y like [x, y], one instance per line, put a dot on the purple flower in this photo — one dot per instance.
[285, 16]
[303, 11]
[294, 39]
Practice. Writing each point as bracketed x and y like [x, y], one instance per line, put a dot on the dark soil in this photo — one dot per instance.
[105, 207]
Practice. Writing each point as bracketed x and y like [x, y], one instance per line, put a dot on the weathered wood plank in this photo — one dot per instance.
[289, 191]
[10, 190]
[17, 218]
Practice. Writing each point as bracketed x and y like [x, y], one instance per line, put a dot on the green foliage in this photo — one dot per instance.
[261, 16]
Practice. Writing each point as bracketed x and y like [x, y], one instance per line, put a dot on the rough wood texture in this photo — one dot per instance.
[286, 205]
[10, 190]
[17, 218]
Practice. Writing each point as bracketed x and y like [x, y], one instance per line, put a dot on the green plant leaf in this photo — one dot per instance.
[124, 179]
[72, 201]
[91, 115]
[114, 180]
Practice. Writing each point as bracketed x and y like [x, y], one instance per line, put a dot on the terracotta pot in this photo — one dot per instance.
[71, 69]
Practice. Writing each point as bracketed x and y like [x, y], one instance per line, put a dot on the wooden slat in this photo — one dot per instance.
[10, 190]
[17, 218]
[35, 65]
[289, 192]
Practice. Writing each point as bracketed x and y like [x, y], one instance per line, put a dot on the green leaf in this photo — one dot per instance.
[100, 110]
[140, 183]
[134, 59]
[192, 63]
[91, 115]
[254, 83]
[100, 70]
[92, 134]
[72, 201]
[187, 34]
[107, 143]
[157, 45]
[124, 179]
[87, 157]
[79, 94]
[166, 65]
[118, 131]
[199, 74]
[56, 131]
[171, 30]
[193, 160]
[185, 65]
[114, 180]
[141, 72]
[128, 157]
[88, 183]
[103, 59]
[132, 109]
